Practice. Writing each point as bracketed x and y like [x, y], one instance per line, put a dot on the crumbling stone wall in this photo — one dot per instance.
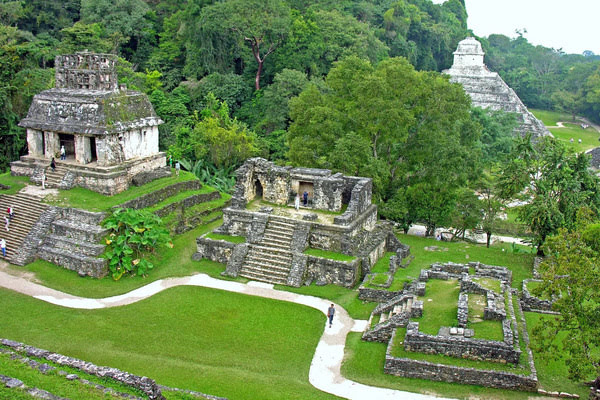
[532, 303]
[326, 271]
[409, 368]
[157, 196]
[458, 346]
[148, 386]
[216, 250]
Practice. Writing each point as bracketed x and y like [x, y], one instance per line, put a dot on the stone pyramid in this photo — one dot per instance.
[487, 89]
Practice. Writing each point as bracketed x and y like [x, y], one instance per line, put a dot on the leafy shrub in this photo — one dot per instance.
[134, 234]
[222, 179]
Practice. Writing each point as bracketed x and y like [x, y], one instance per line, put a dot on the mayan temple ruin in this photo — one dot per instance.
[487, 89]
[103, 137]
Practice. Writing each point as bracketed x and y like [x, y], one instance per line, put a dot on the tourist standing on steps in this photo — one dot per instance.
[44, 179]
[7, 223]
[11, 212]
[53, 164]
[3, 246]
[330, 314]
[305, 198]
[63, 153]
[297, 202]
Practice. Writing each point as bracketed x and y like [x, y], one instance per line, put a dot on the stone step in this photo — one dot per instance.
[275, 246]
[283, 225]
[259, 276]
[271, 249]
[268, 240]
[269, 256]
[267, 265]
[69, 245]
[279, 234]
[81, 231]
[85, 265]
[27, 211]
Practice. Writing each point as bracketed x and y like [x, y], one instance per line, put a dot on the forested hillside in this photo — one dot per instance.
[353, 86]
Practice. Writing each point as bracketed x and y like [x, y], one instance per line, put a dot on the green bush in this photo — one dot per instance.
[134, 233]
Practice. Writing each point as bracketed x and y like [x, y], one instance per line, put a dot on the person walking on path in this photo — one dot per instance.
[3, 246]
[53, 164]
[170, 161]
[330, 314]
[177, 168]
[44, 179]
[297, 202]
[63, 153]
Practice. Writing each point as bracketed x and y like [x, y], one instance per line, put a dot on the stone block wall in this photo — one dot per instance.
[532, 303]
[188, 202]
[377, 295]
[409, 368]
[146, 385]
[326, 271]
[456, 346]
[216, 250]
[157, 196]
[360, 201]
[235, 222]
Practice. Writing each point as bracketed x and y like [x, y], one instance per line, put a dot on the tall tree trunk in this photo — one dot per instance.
[488, 238]
[258, 72]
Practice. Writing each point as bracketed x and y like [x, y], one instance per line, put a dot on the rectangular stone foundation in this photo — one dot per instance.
[104, 180]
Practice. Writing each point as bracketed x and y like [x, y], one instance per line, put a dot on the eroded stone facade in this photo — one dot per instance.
[488, 90]
[109, 134]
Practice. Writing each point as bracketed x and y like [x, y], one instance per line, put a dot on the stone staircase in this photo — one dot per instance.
[270, 260]
[74, 242]
[392, 314]
[27, 210]
[54, 178]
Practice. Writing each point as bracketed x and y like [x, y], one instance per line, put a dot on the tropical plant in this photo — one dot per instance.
[134, 234]
[222, 179]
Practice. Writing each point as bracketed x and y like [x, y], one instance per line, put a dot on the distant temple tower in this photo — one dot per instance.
[487, 89]
[110, 134]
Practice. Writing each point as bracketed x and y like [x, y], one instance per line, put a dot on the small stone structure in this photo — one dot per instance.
[487, 89]
[531, 303]
[595, 158]
[274, 246]
[455, 341]
[110, 134]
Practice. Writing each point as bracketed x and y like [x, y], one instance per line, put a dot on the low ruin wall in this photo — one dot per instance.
[408, 368]
[146, 385]
[532, 303]
[157, 196]
[460, 347]
[326, 271]
[215, 250]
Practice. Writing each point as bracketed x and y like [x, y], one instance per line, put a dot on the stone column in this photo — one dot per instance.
[35, 142]
[52, 144]
[83, 152]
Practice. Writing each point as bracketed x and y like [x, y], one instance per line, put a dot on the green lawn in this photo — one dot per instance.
[225, 344]
[483, 329]
[364, 362]
[521, 264]
[176, 261]
[90, 200]
[54, 383]
[16, 183]
[227, 238]
[383, 264]
[439, 305]
[572, 130]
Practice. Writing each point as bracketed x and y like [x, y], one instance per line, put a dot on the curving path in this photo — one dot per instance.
[325, 367]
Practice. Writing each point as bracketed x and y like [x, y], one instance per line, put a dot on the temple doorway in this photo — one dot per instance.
[307, 187]
[69, 142]
[258, 189]
[93, 149]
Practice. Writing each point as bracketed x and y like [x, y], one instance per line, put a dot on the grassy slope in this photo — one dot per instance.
[196, 338]
[589, 137]
[16, 183]
[89, 200]
[170, 262]
[500, 254]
